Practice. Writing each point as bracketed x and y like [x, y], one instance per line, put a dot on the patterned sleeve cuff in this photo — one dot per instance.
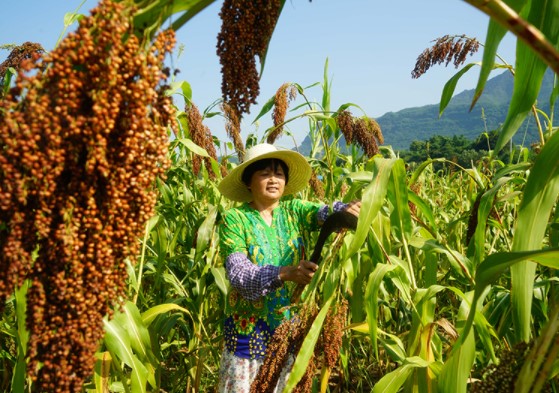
[250, 280]
[324, 211]
[270, 276]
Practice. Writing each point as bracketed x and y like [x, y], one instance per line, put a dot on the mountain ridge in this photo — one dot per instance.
[420, 123]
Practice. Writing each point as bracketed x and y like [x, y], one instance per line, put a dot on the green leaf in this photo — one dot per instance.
[149, 315]
[71, 17]
[182, 86]
[540, 195]
[326, 85]
[456, 370]
[205, 231]
[194, 7]
[393, 381]
[343, 107]
[493, 267]
[131, 320]
[424, 208]
[393, 346]
[494, 36]
[22, 338]
[530, 70]
[421, 168]
[371, 202]
[262, 56]
[400, 216]
[485, 207]
[267, 107]
[118, 343]
[193, 147]
[221, 279]
[371, 296]
[450, 86]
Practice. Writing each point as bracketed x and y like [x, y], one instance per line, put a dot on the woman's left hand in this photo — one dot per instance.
[354, 207]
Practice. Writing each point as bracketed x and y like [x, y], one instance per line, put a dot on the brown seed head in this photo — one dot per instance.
[446, 49]
[79, 155]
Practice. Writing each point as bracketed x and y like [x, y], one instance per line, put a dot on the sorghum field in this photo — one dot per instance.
[111, 279]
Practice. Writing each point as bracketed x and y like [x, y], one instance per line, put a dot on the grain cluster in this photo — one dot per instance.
[83, 137]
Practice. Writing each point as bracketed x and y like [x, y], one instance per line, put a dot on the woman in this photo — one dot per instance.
[261, 242]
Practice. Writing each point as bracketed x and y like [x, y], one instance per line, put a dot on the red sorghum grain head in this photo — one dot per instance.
[364, 131]
[82, 141]
[25, 51]
[202, 136]
[287, 339]
[245, 32]
[445, 49]
[286, 93]
[317, 185]
[333, 332]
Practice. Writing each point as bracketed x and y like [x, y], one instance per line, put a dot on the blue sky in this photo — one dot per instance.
[371, 47]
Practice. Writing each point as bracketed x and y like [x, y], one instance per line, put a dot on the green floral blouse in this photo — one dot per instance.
[249, 325]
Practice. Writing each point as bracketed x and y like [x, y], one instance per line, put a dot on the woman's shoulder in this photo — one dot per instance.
[237, 212]
[298, 203]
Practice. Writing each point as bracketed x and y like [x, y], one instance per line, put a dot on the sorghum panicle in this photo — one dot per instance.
[245, 32]
[286, 93]
[287, 339]
[25, 51]
[233, 129]
[82, 141]
[275, 360]
[502, 377]
[364, 131]
[446, 49]
[202, 136]
[317, 185]
[333, 332]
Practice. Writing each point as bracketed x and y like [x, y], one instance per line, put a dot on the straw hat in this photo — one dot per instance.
[232, 185]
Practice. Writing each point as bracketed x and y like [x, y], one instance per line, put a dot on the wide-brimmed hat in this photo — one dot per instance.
[232, 185]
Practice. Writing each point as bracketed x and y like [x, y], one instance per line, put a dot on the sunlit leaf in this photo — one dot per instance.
[373, 198]
[530, 69]
[494, 36]
[540, 195]
[393, 381]
[450, 86]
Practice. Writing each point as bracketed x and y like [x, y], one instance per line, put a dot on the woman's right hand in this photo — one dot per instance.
[301, 274]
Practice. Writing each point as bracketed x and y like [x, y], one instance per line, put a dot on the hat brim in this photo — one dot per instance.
[300, 171]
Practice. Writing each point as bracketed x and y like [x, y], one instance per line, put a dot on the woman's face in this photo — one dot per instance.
[268, 184]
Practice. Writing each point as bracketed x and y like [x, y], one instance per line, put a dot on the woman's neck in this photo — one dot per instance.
[265, 209]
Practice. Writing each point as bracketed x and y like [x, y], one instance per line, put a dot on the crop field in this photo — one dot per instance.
[111, 277]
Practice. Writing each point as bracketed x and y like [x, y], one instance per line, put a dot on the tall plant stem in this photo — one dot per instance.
[141, 268]
[409, 263]
[507, 17]
[539, 124]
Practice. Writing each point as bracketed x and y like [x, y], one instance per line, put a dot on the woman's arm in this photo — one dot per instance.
[250, 280]
[324, 211]
[353, 207]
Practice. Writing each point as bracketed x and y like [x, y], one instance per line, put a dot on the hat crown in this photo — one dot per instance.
[258, 150]
[233, 187]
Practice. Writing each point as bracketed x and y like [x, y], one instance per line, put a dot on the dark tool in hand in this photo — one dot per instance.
[334, 223]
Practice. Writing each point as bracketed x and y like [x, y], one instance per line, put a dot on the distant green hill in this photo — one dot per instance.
[402, 127]
[420, 123]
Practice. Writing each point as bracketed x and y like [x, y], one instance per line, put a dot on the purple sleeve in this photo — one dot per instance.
[250, 280]
[324, 211]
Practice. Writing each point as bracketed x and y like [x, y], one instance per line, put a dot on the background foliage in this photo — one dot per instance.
[450, 276]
